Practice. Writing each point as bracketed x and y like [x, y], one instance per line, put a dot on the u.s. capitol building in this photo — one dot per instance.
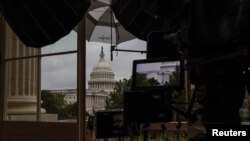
[101, 84]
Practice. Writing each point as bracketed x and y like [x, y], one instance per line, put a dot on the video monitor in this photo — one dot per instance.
[110, 124]
[160, 73]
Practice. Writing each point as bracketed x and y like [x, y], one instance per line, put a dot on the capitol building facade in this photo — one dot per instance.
[101, 84]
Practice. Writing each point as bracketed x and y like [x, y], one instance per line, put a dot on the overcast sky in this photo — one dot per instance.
[60, 72]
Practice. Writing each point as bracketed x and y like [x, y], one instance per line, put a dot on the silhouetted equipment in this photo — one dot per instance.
[218, 27]
[200, 27]
[212, 36]
[164, 8]
[109, 124]
[147, 107]
[136, 16]
[248, 81]
[160, 45]
[40, 22]
[91, 123]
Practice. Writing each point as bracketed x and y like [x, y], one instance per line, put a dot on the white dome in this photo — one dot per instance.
[102, 66]
[102, 76]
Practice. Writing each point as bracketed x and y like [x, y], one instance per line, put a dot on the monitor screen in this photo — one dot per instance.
[157, 73]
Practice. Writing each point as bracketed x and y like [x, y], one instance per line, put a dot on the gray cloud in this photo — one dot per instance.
[122, 62]
[59, 72]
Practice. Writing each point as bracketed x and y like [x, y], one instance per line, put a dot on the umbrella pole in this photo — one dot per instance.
[111, 24]
[111, 19]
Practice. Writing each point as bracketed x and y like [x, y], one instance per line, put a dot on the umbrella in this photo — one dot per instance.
[141, 17]
[102, 26]
[40, 22]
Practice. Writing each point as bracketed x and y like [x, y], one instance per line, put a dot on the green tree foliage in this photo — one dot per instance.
[115, 100]
[69, 112]
[142, 80]
[152, 82]
[173, 78]
[52, 103]
[55, 104]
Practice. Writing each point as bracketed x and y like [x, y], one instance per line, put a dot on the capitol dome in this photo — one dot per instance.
[102, 76]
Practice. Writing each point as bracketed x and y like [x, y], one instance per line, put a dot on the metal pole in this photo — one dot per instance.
[187, 86]
[111, 24]
[125, 50]
[2, 70]
[39, 63]
[81, 79]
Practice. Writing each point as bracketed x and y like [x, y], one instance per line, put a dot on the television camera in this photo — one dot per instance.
[213, 39]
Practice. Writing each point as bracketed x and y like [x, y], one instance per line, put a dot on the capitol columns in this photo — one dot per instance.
[21, 76]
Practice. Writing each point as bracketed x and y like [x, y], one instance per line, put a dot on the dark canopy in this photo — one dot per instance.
[41, 22]
[204, 26]
[141, 17]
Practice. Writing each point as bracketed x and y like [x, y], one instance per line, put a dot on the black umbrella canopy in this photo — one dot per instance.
[41, 22]
[141, 17]
[207, 26]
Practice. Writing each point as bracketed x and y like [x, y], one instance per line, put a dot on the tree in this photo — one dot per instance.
[152, 82]
[142, 80]
[69, 112]
[49, 102]
[53, 104]
[173, 78]
[115, 100]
